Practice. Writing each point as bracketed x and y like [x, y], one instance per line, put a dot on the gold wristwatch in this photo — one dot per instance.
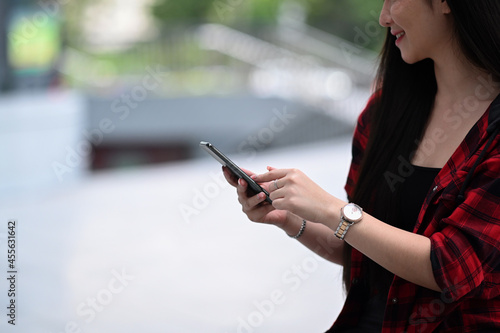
[349, 214]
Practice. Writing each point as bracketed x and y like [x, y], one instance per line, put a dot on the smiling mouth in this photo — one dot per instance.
[401, 34]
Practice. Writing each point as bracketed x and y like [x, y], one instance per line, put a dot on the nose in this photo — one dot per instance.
[385, 18]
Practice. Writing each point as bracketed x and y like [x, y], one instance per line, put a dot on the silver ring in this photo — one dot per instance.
[276, 184]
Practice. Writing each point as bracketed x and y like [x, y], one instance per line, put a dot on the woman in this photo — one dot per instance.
[424, 255]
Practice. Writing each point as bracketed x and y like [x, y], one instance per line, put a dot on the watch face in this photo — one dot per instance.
[353, 212]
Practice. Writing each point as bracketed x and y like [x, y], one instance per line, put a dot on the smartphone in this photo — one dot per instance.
[215, 153]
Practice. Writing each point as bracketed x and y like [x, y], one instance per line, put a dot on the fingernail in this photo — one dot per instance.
[253, 176]
[262, 195]
[240, 181]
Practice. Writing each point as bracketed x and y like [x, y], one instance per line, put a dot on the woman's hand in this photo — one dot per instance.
[291, 190]
[254, 206]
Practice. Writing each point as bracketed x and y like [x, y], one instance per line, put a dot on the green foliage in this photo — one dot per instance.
[320, 11]
[223, 11]
[173, 11]
[264, 11]
[340, 17]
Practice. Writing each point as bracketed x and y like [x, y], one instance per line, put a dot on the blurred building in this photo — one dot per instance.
[127, 93]
[71, 109]
[31, 44]
[39, 122]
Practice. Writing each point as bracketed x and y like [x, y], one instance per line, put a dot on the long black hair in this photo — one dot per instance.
[401, 110]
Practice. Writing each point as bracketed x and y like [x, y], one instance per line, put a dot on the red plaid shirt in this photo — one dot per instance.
[465, 240]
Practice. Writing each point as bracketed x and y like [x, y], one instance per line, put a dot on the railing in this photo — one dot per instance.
[303, 65]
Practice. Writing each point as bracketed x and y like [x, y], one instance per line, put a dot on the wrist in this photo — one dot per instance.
[292, 224]
[350, 214]
[282, 223]
[300, 232]
[332, 215]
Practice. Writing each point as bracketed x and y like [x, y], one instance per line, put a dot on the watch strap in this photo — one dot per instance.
[342, 228]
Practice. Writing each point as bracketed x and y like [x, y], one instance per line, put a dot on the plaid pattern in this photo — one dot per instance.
[465, 252]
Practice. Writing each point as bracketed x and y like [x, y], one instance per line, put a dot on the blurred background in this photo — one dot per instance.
[123, 223]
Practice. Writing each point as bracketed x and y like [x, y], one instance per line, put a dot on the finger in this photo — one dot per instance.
[277, 194]
[249, 202]
[241, 188]
[275, 185]
[248, 172]
[271, 175]
[253, 201]
[279, 203]
[259, 212]
[230, 177]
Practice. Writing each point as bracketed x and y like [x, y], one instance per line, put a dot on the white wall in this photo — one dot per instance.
[38, 131]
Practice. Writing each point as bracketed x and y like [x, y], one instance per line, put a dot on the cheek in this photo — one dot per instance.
[406, 13]
[403, 7]
[397, 8]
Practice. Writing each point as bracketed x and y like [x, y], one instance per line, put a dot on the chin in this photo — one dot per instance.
[410, 59]
[410, 62]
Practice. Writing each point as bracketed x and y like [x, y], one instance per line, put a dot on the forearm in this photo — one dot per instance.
[317, 237]
[405, 254]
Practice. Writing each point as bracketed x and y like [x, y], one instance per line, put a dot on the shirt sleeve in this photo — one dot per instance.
[465, 253]
[359, 143]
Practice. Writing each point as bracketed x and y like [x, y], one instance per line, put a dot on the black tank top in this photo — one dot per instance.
[411, 194]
